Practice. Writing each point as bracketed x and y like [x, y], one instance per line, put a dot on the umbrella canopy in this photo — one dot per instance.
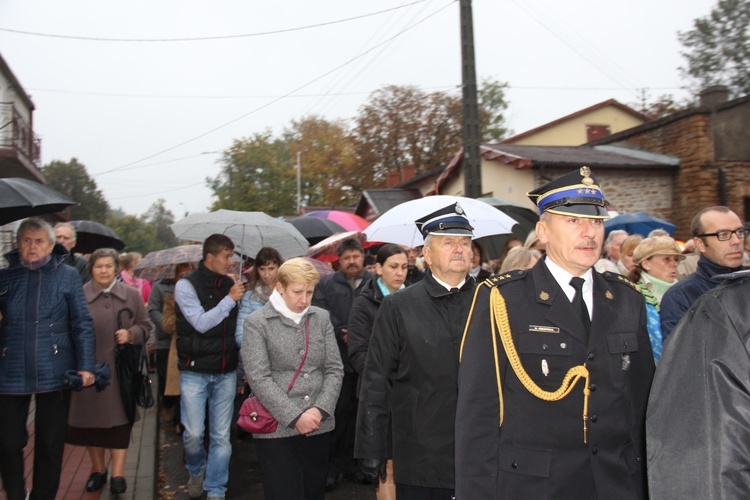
[162, 263]
[315, 229]
[494, 246]
[326, 250]
[323, 268]
[249, 231]
[92, 235]
[638, 223]
[21, 198]
[350, 222]
[397, 224]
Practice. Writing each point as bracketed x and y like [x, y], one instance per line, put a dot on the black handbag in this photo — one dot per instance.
[144, 393]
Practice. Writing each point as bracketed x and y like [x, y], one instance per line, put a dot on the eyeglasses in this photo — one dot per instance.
[727, 235]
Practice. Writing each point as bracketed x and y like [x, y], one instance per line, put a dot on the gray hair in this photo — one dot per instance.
[69, 226]
[36, 224]
[612, 235]
[102, 253]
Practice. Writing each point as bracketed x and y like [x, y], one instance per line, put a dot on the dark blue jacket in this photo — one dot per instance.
[684, 293]
[46, 327]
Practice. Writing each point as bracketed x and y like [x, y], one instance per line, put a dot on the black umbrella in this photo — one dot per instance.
[494, 246]
[92, 235]
[21, 198]
[127, 357]
[315, 229]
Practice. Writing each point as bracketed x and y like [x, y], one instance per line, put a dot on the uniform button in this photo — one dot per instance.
[594, 450]
[544, 347]
[563, 345]
[624, 345]
[591, 356]
[592, 387]
[306, 375]
[306, 398]
[594, 418]
[302, 352]
[514, 465]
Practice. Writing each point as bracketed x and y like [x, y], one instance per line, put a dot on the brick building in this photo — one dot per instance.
[712, 143]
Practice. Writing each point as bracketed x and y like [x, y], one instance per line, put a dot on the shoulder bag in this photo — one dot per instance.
[254, 417]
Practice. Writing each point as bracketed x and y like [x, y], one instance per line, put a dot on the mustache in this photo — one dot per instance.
[588, 244]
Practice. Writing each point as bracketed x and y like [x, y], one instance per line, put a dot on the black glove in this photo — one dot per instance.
[373, 468]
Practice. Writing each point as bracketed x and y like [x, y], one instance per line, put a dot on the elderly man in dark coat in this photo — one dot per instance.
[698, 420]
[412, 366]
[556, 367]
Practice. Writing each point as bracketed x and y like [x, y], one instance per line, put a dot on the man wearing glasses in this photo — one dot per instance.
[719, 235]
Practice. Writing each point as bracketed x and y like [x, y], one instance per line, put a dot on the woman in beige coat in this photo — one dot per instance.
[97, 419]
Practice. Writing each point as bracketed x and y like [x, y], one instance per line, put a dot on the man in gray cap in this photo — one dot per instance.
[556, 367]
[412, 366]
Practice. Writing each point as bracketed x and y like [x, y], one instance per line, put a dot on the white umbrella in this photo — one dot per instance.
[249, 231]
[397, 224]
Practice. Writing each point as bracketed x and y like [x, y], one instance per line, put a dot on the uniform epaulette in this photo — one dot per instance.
[610, 276]
[500, 279]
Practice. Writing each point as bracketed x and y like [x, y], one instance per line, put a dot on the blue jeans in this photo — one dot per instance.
[218, 391]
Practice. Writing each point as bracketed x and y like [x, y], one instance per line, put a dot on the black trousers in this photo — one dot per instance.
[50, 428]
[342, 438]
[409, 492]
[294, 468]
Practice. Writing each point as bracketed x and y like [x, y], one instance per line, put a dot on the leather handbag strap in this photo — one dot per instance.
[307, 345]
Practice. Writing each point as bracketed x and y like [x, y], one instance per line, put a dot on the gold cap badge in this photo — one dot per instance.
[586, 174]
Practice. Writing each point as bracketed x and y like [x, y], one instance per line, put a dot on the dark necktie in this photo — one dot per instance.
[578, 303]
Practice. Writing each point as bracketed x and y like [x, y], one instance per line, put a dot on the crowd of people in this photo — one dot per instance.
[528, 377]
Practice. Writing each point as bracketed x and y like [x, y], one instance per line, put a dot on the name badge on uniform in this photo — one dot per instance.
[543, 329]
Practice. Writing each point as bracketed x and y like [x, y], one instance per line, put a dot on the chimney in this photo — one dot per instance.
[408, 172]
[714, 95]
[392, 178]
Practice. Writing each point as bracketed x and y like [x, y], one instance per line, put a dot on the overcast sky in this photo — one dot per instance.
[147, 118]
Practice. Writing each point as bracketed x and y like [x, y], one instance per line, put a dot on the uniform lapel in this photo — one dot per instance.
[605, 312]
[560, 311]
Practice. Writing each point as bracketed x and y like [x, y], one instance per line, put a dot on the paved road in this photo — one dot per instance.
[244, 473]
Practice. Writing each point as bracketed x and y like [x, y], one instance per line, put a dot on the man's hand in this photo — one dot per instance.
[373, 468]
[237, 291]
[309, 421]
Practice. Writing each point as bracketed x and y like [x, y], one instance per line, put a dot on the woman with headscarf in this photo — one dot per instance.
[655, 271]
[97, 420]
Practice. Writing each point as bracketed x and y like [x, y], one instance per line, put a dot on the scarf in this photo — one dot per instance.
[277, 301]
[656, 286]
[131, 280]
[35, 265]
[384, 289]
[261, 292]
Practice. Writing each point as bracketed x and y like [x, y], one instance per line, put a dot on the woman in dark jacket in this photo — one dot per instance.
[391, 267]
[97, 419]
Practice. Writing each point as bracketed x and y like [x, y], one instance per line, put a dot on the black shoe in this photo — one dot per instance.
[118, 485]
[333, 481]
[96, 481]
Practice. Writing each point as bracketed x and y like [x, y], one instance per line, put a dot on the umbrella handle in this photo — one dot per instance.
[131, 315]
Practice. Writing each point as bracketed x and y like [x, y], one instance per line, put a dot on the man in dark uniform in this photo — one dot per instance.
[412, 366]
[556, 367]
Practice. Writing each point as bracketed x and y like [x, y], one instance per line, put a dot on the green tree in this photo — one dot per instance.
[492, 105]
[72, 179]
[256, 175]
[330, 176]
[136, 232]
[717, 49]
[161, 218]
[402, 125]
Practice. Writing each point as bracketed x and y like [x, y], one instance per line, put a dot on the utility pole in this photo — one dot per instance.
[471, 132]
[299, 185]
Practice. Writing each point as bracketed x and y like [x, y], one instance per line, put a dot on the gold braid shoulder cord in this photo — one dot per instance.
[499, 319]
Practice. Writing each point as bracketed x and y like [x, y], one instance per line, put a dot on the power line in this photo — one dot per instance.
[158, 192]
[188, 141]
[207, 38]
